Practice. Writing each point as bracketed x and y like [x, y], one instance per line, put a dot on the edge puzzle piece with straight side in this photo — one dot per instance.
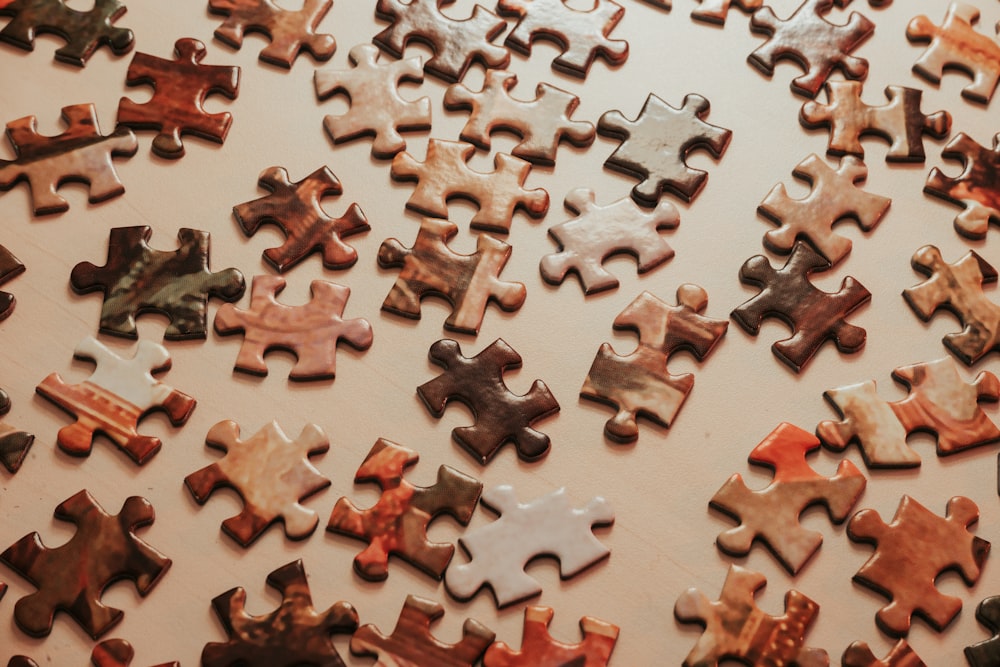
[546, 526]
[289, 31]
[975, 189]
[83, 31]
[639, 383]
[772, 514]
[987, 652]
[115, 397]
[539, 649]
[859, 654]
[736, 628]
[118, 653]
[72, 577]
[501, 415]
[293, 634]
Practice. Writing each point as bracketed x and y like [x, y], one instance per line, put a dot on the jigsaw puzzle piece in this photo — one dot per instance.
[290, 31]
[539, 649]
[10, 268]
[118, 653]
[987, 652]
[975, 189]
[83, 31]
[859, 654]
[14, 443]
[716, 11]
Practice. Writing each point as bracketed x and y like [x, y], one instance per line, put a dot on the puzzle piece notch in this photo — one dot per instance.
[859, 654]
[289, 31]
[813, 315]
[270, 473]
[293, 634]
[944, 544]
[501, 416]
[546, 526]
[581, 35]
[716, 11]
[974, 189]
[639, 383]
[139, 279]
[541, 123]
[377, 109]
[397, 523]
[83, 31]
[598, 232]
[295, 208]
[986, 652]
[772, 514]
[115, 397]
[539, 649]
[467, 282]
[655, 145]
[72, 577]
[180, 87]
[736, 628]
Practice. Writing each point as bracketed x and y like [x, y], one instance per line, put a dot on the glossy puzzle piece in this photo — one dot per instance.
[270, 473]
[539, 649]
[445, 174]
[80, 154]
[911, 552]
[716, 11]
[377, 108]
[598, 232]
[289, 31]
[655, 146]
[501, 415]
[736, 628]
[833, 196]
[956, 45]
[115, 397]
[958, 288]
[411, 641]
[540, 123]
[138, 279]
[293, 634]
[813, 315]
[14, 443]
[639, 383]
[295, 209]
[456, 43]
[987, 652]
[900, 122]
[772, 514]
[397, 523]
[311, 332]
[467, 282]
[83, 31]
[180, 87]
[975, 189]
[581, 34]
[72, 577]
[859, 654]
[548, 525]
[117, 653]
[939, 402]
[10, 268]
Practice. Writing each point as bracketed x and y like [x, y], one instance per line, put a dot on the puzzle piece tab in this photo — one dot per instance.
[987, 652]
[859, 654]
[975, 189]
[118, 653]
[83, 31]
[539, 649]
[289, 31]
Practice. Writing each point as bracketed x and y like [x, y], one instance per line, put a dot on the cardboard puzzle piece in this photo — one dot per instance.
[456, 43]
[411, 641]
[944, 544]
[83, 31]
[501, 415]
[958, 288]
[548, 526]
[716, 11]
[138, 279]
[639, 383]
[540, 649]
[974, 189]
[813, 315]
[311, 332]
[956, 45]
[859, 654]
[81, 154]
[289, 31]
[445, 174]
[270, 473]
[900, 122]
[118, 653]
[940, 402]
[295, 209]
[377, 109]
[72, 577]
[467, 282]
[10, 268]
[772, 513]
[598, 232]
[115, 397]
[655, 146]
[833, 196]
[987, 652]
[581, 34]
[180, 87]
[397, 523]
[540, 123]
[14, 443]
[293, 634]
[736, 628]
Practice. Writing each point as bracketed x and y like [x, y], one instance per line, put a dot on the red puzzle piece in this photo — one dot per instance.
[539, 649]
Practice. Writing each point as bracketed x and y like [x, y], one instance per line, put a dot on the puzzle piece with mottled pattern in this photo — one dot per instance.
[83, 31]
[987, 652]
[975, 189]
[540, 649]
[290, 31]
[859, 654]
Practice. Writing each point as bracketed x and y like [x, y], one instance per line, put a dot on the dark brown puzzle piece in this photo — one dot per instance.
[290, 31]
[14, 443]
[859, 654]
[83, 31]
[117, 653]
[987, 652]
[976, 189]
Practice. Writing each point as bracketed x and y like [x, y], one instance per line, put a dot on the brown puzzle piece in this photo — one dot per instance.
[83, 31]
[859, 654]
[974, 189]
[289, 31]
[109, 653]
[14, 443]
[539, 649]
[987, 652]
[10, 268]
